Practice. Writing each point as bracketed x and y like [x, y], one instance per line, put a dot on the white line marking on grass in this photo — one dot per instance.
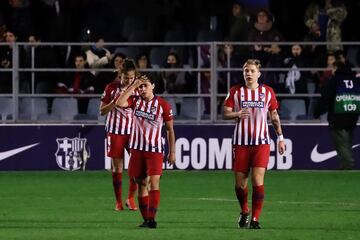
[217, 199]
[280, 202]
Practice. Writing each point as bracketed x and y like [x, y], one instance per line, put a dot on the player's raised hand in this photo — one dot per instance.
[139, 81]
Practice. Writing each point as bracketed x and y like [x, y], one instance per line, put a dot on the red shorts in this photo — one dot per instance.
[116, 144]
[144, 163]
[246, 157]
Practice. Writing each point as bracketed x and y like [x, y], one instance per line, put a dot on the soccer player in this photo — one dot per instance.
[249, 105]
[118, 128]
[150, 113]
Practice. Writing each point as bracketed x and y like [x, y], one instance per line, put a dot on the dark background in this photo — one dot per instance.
[105, 17]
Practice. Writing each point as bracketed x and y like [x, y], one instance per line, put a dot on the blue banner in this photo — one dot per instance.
[198, 147]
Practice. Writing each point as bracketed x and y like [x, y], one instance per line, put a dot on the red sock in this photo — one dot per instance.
[257, 201]
[132, 188]
[154, 200]
[117, 182]
[242, 196]
[144, 206]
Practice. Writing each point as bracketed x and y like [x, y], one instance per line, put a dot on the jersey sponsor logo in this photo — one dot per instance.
[72, 153]
[12, 152]
[146, 115]
[317, 157]
[252, 104]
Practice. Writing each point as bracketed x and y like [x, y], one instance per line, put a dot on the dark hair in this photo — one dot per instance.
[80, 54]
[96, 37]
[129, 65]
[36, 36]
[343, 68]
[176, 56]
[268, 14]
[119, 54]
[139, 56]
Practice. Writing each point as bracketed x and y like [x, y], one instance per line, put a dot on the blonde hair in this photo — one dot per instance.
[255, 62]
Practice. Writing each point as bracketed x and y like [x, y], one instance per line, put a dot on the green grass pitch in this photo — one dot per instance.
[194, 205]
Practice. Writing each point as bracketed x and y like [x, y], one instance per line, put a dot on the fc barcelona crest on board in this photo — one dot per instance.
[72, 153]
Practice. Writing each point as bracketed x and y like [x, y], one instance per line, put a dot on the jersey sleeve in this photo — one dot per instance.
[106, 96]
[273, 105]
[167, 111]
[229, 100]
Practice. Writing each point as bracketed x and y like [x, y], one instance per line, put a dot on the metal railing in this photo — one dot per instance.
[195, 64]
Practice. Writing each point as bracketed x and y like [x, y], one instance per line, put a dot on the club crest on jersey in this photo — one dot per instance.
[146, 115]
[262, 95]
[137, 104]
[252, 104]
[71, 153]
[153, 110]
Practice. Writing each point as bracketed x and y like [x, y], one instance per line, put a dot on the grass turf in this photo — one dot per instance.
[194, 205]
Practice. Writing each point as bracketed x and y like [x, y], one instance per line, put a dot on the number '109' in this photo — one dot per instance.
[350, 107]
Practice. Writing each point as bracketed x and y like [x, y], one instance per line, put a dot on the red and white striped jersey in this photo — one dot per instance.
[118, 120]
[253, 130]
[148, 120]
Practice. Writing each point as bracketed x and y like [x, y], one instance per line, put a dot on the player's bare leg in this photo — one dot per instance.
[117, 168]
[257, 178]
[241, 190]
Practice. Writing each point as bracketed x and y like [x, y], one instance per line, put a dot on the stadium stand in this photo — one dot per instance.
[6, 107]
[66, 108]
[190, 108]
[291, 109]
[32, 108]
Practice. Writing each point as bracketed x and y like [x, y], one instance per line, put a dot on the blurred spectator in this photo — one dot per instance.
[263, 30]
[340, 56]
[103, 78]
[239, 28]
[78, 82]
[98, 56]
[329, 72]
[296, 80]
[19, 18]
[44, 57]
[143, 63]
[2, 29]
[324, 19]
[174, 81]
[238, 23]
[270, 56]
[228, 58]
[6, 61]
